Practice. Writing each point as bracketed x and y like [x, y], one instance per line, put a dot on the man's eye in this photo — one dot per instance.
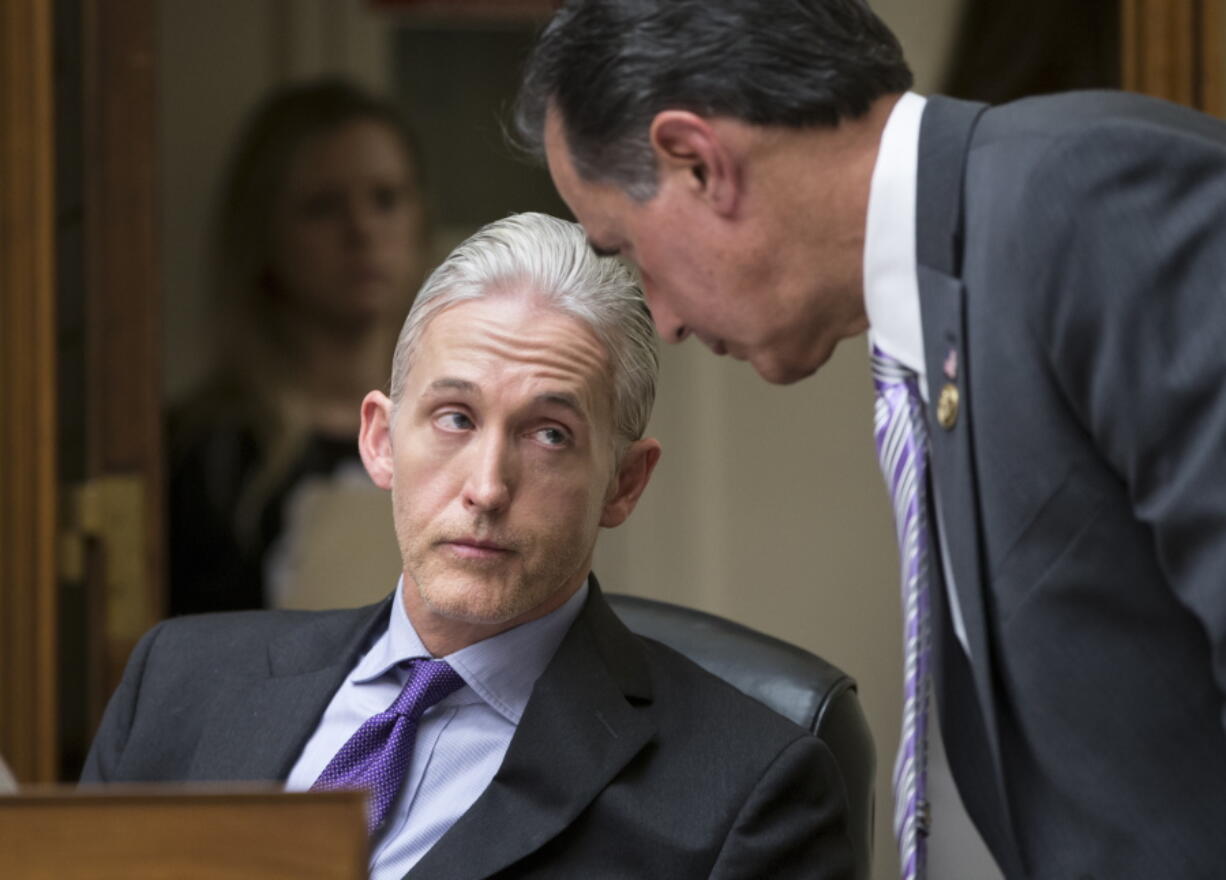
[552, 436]
[454, 421]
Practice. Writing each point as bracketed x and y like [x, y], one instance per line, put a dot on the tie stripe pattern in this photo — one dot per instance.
[376, 757]
[901, 437]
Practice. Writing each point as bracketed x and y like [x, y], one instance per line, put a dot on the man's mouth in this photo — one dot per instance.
[476, 548]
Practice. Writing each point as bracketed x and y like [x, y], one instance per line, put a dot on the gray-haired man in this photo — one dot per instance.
[529, 733]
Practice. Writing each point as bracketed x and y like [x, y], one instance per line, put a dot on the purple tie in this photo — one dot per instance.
[901, 446]
[376, 757]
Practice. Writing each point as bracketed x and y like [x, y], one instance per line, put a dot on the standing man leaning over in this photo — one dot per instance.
[505, 721]
[1043, 288]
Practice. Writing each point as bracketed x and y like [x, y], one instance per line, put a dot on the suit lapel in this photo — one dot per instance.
[953, 466]
[944, 144]
[944, 139]
[305, 667]
[580, 728]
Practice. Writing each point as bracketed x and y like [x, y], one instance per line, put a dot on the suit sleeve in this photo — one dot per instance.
[1131, 226]
[794, 823]
[107, 750]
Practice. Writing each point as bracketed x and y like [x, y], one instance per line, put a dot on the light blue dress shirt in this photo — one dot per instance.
[461, 741]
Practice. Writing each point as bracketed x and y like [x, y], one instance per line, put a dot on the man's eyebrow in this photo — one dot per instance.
[563, 399]
[601, 250]
[449, 384]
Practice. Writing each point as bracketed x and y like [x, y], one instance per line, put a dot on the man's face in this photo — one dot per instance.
[500, 459]
[767, 288]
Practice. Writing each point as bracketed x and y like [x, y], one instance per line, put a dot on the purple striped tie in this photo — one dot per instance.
[901, 446]
[376, 757]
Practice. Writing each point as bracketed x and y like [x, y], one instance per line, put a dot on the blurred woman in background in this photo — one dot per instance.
[318, 245]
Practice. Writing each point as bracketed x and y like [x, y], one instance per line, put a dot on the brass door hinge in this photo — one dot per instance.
[110, 511]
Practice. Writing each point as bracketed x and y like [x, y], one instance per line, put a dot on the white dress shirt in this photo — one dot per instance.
[891, 285]
[461, 740]
[891, 298]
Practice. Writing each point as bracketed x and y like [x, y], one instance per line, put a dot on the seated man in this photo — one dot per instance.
[504, 720]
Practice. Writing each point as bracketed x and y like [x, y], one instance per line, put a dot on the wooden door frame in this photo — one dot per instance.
[1174, 49]
[122, 405]
[123, 303]
[28, 509]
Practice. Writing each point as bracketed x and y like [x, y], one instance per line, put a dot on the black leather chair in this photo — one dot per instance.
[798, 685]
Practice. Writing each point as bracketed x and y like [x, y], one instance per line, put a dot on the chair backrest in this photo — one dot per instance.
[795, 683]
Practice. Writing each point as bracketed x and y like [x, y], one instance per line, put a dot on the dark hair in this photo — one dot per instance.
[610, 66]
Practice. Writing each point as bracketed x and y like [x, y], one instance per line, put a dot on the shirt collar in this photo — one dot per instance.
[500, 670]
[891, 289]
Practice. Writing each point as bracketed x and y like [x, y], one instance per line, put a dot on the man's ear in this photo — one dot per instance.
[690, 151]
[375, 438]
[633, 474]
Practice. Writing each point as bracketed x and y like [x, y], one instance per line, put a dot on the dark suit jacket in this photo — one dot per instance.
[629, 760]
[1072, 254]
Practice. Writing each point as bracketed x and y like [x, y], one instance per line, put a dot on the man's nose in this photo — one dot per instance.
[487, 488]
[668, 324]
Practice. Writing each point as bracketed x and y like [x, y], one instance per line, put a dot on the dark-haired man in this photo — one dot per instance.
[1042, 284]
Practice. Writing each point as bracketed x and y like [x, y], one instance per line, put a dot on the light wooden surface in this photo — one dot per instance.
[149, 835]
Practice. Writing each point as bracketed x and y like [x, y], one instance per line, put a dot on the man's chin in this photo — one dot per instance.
[475, 609]
[779, 372]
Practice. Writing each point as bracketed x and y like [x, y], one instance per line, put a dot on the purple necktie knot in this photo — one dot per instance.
[429, 681]
[376, 757]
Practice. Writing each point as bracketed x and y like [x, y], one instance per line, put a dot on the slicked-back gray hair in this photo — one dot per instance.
[552, 258]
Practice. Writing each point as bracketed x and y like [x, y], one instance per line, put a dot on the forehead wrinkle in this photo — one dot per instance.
[573, 380]
[574, 359]
[467, 342]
